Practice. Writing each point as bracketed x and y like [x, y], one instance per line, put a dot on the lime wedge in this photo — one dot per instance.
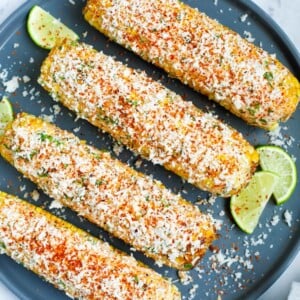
[275, 159]
[247, 206]
[6, 114]
[45, 30]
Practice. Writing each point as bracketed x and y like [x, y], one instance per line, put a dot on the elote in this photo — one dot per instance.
[149, 118]
[199, 51]
[126, 203]
[81, 265]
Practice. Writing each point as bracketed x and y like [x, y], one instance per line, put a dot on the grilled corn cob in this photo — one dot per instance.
[148, 118]
[73, 260]
[202, 53]
[128, 204]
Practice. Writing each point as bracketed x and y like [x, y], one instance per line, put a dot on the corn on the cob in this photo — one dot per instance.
[128, 204]
[202, 53]
[148, 118]
[73, 260]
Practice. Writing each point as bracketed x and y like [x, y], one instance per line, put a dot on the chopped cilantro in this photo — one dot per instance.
[33, 153]
[251, 111]
[151, 249]
[187, 266]
[269, 77]
[136, 279]
[132, 102]
[263, 121]
[254, 108]
[99, 182]
[74, 43]
[6, 146]
[43, 173]
[2, 245]
[46, 137]
[61, 284]
[108, 120]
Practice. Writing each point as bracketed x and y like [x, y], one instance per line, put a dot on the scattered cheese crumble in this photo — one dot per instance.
[55, 204]
[275, 220]
[248, 36]
[26, 79]
[288, 217]
[12, 85]
[35, 195]
[244, 17]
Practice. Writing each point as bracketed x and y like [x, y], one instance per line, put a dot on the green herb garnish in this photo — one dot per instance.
[99, 182]
[187, 266]
[2, 245]
[46, 137]
[269, 77]
[136, 279]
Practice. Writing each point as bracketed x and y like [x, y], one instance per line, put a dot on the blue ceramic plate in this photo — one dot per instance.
[239, 266]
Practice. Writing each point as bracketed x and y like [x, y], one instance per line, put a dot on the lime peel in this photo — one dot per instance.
[45, 30]
[275, 159]
[247, 207]
[6, 114]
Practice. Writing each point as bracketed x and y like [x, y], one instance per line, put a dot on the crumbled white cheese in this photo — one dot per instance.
[288, 217]
[56, 109]
[26, 78]
[185, 277]
[77, 129]
[280, 139]
[35, 195]
[248, 36]
[22, 188]
[192, 291]
[12, 85]
[275, 220]
[24, 93]
[222, 213]
[243, 17]
[47, 118]
[138, 163]
[210, 200]
[3, 74]
[55, 205]
[117, 148]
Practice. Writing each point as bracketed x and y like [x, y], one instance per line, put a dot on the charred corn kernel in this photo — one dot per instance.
[202, 53]
[73, 260]
[148, 118]
[128, 204]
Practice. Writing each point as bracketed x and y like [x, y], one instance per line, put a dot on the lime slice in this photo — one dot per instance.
[45, 30]
[275, 159]
[247, 206]
[6, 114]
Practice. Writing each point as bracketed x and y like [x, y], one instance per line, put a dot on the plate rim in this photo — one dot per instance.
[259, 288]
